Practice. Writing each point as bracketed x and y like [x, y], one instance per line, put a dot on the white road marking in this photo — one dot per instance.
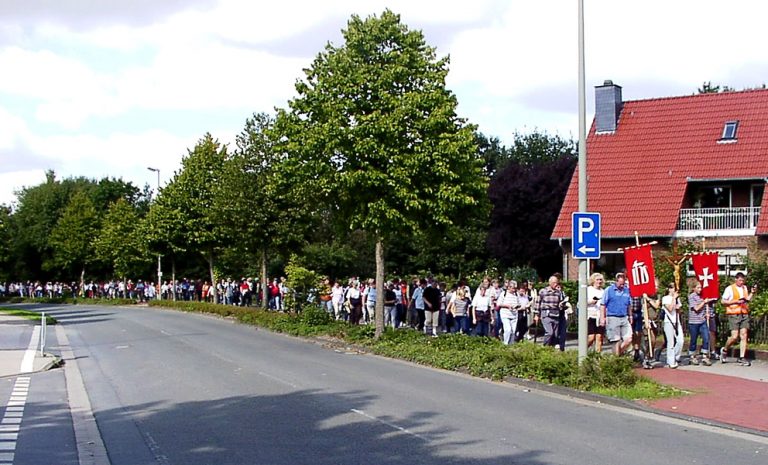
[279, 380]
[28, 362]
[391, 425]
[14, 409]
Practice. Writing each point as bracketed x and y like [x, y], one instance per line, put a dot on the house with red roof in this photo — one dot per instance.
[687, 167]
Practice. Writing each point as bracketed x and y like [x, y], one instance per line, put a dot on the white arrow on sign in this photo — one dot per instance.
[584, 249]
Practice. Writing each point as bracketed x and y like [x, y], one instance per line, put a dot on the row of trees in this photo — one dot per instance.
[368, 168]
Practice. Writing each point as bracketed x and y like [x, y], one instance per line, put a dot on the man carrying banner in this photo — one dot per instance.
[736, 299]
[700, 311]
[615, 315]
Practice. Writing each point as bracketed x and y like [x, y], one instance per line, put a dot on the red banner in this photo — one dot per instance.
[640, 274]
[705, 267]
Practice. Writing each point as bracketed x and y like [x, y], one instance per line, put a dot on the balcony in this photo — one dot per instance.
[738, 221]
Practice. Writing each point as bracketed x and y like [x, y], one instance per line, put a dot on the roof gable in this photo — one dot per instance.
[637, 175]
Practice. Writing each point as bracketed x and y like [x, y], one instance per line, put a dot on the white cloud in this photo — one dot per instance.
[13, 130]
[11, 182]
[513, 66]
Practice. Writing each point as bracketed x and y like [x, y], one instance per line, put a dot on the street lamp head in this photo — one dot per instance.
[153, 169]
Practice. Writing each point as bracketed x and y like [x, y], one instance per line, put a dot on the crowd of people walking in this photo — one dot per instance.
[503, 309]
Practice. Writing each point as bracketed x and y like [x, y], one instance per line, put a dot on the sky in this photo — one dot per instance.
[110, 88]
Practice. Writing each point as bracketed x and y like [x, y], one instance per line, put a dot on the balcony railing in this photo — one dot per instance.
[698, 219]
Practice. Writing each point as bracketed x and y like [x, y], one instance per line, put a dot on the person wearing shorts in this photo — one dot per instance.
[616, 315]
[595, 332]
[736, 298]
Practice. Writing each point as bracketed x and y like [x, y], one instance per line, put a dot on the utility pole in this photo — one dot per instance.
[159, 269]
[583, 264]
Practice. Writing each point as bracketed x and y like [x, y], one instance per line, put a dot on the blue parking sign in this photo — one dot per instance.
[585, 238]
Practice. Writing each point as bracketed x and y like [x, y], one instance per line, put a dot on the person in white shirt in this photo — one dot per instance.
[509, 304]
[673, 327]
[595, 292]
[481, 311]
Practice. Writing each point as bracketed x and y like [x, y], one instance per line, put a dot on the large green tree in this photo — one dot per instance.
[121, 243]
[38, 209]
[183, 213]
[73, 236]
[526, 195]
[254, 211]
[374, 132]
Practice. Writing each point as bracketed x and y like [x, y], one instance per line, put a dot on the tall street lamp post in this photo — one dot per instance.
[159, 269]
[583, 264]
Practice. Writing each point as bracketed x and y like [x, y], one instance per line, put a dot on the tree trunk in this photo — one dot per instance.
[264, 280]
[173, 278]
[379, 288]
[210, 270]
[82, 282]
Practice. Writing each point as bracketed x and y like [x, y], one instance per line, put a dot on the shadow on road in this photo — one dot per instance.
[303, 427]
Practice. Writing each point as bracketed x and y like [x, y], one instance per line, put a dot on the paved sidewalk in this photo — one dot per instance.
[15, 341]
[723, 393]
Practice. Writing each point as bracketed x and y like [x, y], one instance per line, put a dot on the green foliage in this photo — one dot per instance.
[39, 209]
[5, 242]
[120, 241]
[708, 88]
[522, 273]
[312, 315]
[251, 204]
[302, 284]
[183, 215]
[73, 235]
[374, 133]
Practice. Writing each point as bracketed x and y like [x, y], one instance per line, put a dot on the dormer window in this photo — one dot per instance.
[729, 131]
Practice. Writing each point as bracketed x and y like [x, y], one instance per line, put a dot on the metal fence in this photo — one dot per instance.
[695, 219]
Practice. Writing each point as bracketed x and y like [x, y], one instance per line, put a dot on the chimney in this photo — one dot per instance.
[608, 106]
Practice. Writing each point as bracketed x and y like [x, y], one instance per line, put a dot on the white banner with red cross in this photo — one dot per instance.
[640, 273]
[705, 267]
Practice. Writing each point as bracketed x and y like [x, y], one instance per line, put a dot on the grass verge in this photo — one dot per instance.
[27, 315]
[477, 356]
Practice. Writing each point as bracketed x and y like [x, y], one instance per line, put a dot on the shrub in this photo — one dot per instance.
[312, 315]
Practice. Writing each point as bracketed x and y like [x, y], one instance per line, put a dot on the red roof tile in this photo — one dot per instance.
[638, 174]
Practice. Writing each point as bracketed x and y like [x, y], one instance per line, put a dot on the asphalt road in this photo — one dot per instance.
[174, 388]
